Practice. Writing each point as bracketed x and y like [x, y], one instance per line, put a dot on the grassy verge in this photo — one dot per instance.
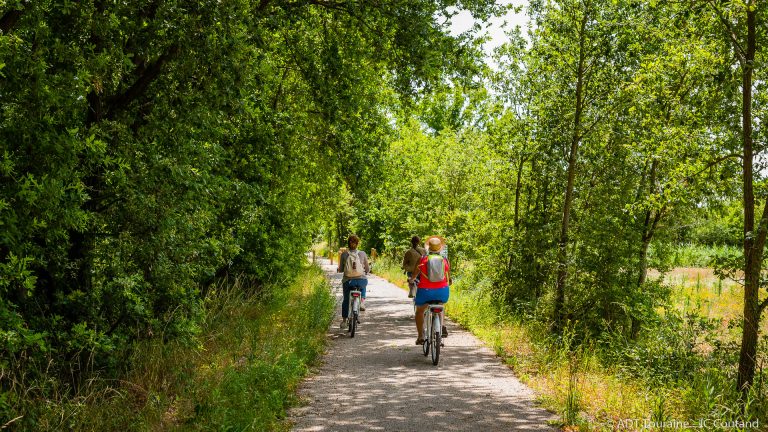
[693, 255]
[590, 392]
[390, 271]
[571, 383]
[697, 290]
[242, 375]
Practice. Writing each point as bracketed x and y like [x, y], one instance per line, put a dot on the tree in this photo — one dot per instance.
[572, 50]
[738, 22]
[150, 148]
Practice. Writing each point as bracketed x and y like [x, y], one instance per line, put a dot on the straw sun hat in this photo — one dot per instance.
[435, 243]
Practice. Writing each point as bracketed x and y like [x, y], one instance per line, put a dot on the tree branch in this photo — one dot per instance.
[120, 102]
[587, 130]
[761, 307]
[762, 229]
[9, 20]
[713, 163]
[656, 218]
[742, 55]
[279, 91]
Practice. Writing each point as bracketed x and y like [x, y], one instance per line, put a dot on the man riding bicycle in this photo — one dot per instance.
[433, 279]
[354, 264]
[410, 264]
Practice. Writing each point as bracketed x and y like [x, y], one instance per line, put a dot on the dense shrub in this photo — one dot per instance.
[150, 149]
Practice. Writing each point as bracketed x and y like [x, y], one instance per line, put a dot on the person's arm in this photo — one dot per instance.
[367, 264]
[416, 271]
[448, 272]
[415, 267]
[340, 268]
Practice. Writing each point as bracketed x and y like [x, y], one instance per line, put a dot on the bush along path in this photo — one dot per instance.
[379, 380]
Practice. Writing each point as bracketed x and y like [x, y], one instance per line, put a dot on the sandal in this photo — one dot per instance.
[419, 341]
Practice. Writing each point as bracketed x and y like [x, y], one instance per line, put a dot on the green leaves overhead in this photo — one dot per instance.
[608, 131]
[149, 148]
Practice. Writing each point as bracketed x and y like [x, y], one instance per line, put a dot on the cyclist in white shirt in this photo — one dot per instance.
[354, 264]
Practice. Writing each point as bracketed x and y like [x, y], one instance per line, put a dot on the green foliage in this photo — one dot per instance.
[151, 149]
[719, 229]
[678, 368]
[696, 255]
[490, 171]
[669, 351]
[253, 352]
[607, 153]
[254, 393]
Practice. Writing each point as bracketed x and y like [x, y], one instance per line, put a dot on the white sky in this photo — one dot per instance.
[496, 27]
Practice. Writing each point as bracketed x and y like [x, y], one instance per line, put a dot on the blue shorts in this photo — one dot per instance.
[425, 295]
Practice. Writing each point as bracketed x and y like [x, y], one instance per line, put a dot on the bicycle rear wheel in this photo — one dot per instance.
[425, 335]
[436, 336]
[353, 316]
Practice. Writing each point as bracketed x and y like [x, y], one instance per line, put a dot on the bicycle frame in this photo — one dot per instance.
[355, 296]
[354, 301]
[432, 331]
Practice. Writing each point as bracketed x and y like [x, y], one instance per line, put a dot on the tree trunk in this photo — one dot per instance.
[562, 258]
[649, 227]
[517, 191]
[648, 231]
[753, 241]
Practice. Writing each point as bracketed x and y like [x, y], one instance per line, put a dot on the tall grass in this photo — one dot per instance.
[693, 255]
[241, 375]
[390, 270]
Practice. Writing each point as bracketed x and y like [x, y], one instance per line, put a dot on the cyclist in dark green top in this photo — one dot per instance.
[411, 262]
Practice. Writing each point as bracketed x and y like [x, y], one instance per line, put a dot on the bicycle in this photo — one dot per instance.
[432, 332]
[354, 311]
[412, 290]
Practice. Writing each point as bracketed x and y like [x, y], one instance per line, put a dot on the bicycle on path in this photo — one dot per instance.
[355, 296]
[412, 287]
[432, 331]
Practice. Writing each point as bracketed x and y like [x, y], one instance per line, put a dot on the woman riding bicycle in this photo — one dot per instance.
[431, 288]
[354, 264]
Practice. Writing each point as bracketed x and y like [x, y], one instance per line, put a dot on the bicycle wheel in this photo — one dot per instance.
[353, 316]
[425, 335]
[353, 325]
[436, 336]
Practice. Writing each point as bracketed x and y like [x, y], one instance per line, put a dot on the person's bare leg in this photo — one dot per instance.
[442, 323]
[420, 319]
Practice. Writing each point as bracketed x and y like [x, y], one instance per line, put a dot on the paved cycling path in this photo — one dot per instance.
[380, 381]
